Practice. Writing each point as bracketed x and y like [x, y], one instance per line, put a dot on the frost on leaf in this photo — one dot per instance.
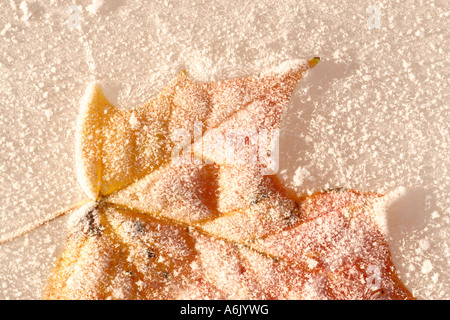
[207, 228]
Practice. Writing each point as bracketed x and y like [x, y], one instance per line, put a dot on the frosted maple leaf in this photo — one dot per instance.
[155, 228]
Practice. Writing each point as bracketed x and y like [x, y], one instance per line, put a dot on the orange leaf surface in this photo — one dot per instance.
[171, 220]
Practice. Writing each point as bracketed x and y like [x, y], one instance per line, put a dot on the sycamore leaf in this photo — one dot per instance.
[198, 224]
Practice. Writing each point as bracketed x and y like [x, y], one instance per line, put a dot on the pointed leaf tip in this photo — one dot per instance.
[314, 61]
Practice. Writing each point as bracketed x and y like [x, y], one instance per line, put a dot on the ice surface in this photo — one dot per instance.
[373, 115]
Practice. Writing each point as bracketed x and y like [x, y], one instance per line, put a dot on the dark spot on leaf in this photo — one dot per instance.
[150, 253]
[138, 228]
[88, 224]
[337, 190]
[258, 198]
[129, 273]
[293, 216]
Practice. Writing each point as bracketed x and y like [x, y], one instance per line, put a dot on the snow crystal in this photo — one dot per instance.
[426, 267]
[300, 175]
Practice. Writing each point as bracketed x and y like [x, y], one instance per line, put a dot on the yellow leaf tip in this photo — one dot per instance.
[94, 94]
[314, 61]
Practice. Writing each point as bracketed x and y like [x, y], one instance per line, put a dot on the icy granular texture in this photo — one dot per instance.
[373, 116]
[113, 252]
